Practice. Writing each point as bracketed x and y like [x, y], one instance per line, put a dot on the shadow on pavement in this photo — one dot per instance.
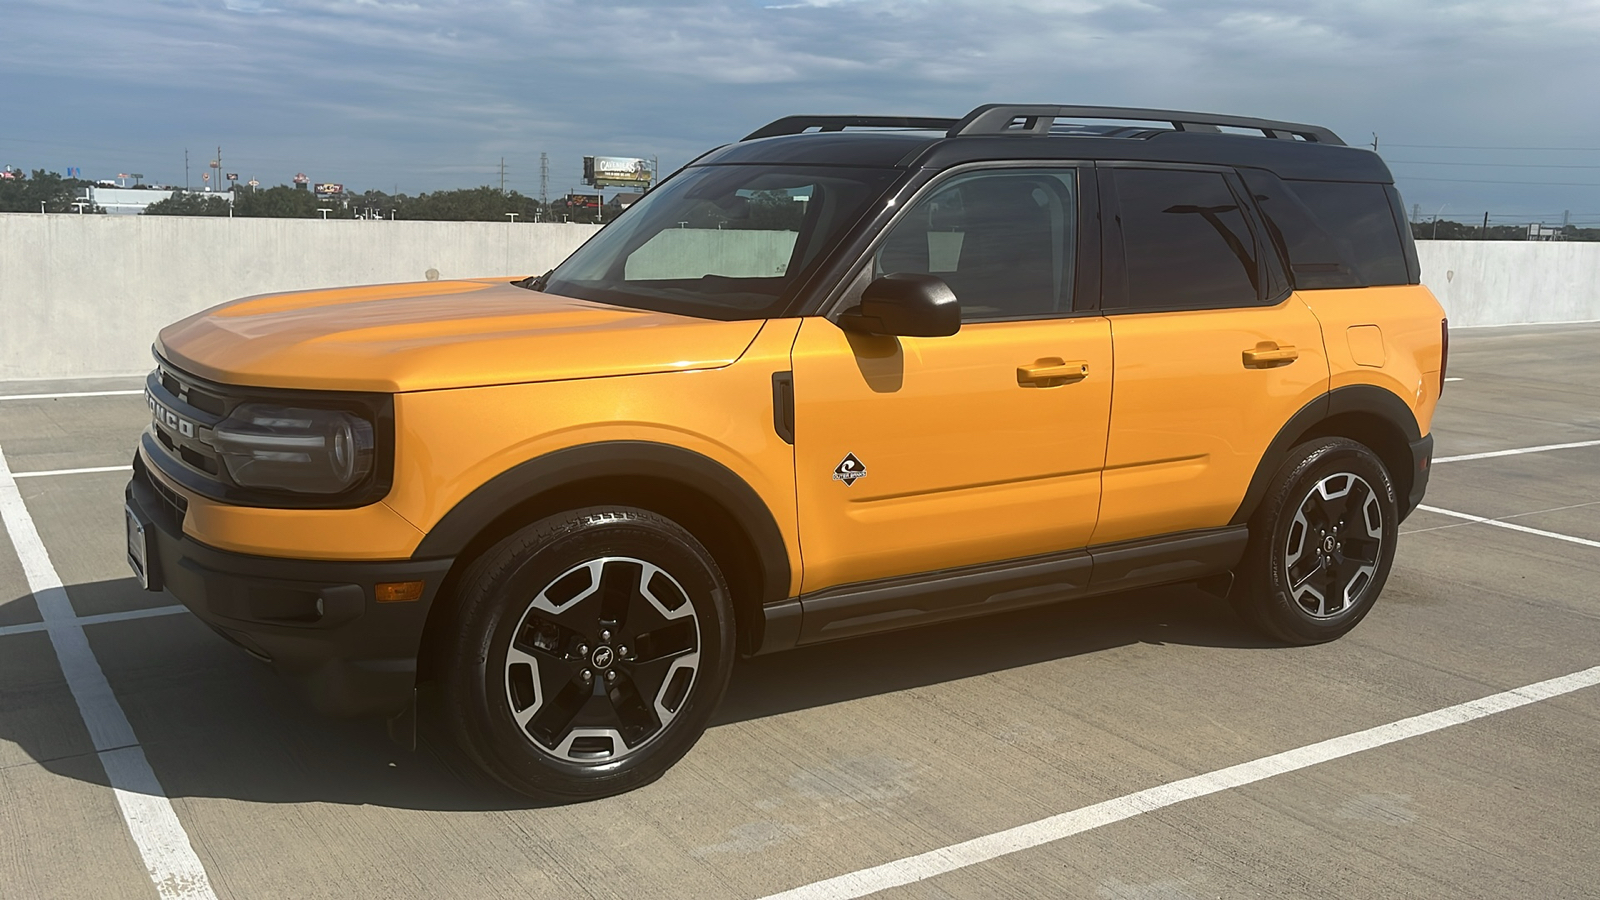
[216, 723]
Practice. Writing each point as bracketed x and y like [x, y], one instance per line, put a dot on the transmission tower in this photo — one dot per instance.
[544, 180]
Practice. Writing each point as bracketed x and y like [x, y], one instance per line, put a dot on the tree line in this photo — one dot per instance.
[1443, 230]
[26, 193]
[481, 204]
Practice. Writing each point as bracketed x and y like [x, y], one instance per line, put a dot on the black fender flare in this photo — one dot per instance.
[1354, 398]
[526, 481]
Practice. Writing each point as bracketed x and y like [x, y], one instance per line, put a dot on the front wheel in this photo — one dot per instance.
[590, 650]
[1321, 543]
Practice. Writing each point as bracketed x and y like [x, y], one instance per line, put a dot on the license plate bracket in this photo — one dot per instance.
[141, 545]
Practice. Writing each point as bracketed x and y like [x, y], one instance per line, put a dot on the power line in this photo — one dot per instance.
[1467, 147]
[1486, 181]
[1420, 162]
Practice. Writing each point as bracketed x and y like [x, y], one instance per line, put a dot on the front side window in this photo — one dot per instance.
[722, 242]
[1185, 241]
[1003, 240]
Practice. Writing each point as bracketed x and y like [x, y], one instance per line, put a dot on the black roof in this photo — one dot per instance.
[1011, 132]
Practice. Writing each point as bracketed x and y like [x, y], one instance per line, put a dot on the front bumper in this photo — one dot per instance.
[1421, 465]
[315, 621]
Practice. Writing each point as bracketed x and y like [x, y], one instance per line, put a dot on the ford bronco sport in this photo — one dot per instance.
[846, 375]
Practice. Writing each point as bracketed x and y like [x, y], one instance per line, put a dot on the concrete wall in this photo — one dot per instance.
[1513, 282]
[85, 295]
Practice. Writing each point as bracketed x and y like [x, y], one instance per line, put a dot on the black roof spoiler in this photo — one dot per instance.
[1037, 119]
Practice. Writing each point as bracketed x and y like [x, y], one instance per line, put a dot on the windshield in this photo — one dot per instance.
[721, 242]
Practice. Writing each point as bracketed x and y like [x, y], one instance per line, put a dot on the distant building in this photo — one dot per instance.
[132, 201]
[1543, 232]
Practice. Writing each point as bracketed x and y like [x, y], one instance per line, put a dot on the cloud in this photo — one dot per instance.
[382, 92]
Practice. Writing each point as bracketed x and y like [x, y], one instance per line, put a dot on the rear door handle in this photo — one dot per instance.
[1268, 354]
[1052, 372]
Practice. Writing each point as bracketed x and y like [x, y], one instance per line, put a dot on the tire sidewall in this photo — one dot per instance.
[1309, 464]
[511, 575]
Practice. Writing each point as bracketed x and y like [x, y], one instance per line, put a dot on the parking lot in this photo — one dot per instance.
[1009, 756]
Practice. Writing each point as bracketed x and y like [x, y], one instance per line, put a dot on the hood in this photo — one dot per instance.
[443, 334]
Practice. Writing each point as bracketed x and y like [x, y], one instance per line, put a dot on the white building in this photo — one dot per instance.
[132, 201]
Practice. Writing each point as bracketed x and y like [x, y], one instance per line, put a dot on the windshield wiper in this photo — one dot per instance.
[534, 282]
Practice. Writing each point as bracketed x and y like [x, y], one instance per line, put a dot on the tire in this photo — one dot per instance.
[1321, 544]
[588, 652]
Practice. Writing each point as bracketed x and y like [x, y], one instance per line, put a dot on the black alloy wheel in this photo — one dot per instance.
[1321, 543]
[589, 651]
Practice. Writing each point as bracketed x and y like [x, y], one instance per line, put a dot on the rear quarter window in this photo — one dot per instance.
[1336, 234]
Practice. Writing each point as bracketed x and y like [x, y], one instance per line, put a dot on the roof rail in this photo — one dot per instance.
[798, 124]
[1004, 118]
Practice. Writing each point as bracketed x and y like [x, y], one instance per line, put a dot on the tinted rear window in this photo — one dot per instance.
[1337, 234]
[1185, 241]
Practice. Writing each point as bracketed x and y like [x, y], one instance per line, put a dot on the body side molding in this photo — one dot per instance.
[905, 601]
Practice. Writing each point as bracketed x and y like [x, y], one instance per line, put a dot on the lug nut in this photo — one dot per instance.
[583, 649]
[605, 635]
[611, 675]
[622, 652]
[586, 675]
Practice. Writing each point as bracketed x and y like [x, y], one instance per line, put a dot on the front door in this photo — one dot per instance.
[918, 455]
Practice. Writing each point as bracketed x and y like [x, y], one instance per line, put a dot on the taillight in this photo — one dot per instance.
[1444, 351]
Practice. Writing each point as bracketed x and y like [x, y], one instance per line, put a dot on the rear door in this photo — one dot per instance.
[1214, 353]
[922, 454]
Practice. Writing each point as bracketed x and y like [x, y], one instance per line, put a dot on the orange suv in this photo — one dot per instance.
[846, 375]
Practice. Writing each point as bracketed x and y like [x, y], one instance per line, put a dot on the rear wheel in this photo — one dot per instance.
[591, 649]
[1321, 543]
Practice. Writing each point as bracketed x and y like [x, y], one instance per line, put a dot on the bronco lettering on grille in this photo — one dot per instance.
[167, 418]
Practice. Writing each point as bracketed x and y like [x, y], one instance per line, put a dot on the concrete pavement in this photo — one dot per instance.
[836, 758]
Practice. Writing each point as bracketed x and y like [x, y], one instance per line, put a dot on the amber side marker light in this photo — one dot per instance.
[398, 591]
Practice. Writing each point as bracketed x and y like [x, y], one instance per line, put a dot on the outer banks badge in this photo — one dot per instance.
[849, 469]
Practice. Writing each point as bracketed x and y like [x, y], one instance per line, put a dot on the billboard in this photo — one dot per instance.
[617, 171]
[329, 190]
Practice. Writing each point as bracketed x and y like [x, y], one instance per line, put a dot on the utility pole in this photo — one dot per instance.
[1483, 233]
[1374, 142]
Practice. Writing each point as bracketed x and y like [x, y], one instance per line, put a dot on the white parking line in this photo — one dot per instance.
[164, 846]
[99, 619]
[89, 471]
[1044, 831]
[1515, 452]
[69, 395]
[1511, 525]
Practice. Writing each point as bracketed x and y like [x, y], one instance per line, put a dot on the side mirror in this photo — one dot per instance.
[905, 304]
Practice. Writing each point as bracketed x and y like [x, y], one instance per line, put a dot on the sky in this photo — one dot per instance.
[1477, 105]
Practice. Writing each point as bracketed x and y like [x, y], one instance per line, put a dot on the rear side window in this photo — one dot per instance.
[1336, 234]
[1185, 241]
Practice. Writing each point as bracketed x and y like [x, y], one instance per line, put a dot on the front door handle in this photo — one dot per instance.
[1268, 354]
[1052, 372]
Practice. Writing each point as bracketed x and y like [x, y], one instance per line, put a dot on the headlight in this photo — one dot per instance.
[314, 451]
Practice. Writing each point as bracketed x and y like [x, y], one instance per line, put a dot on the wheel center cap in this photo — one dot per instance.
[603, 657]
[1329, 544]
